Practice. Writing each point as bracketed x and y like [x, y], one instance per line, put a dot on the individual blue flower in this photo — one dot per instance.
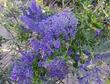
[70, 51]
[87, 52]
[98, 32]
[57, 44]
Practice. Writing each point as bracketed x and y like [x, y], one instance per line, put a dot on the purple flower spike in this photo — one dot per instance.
[35, 9]
[32, 15]
[87, 52]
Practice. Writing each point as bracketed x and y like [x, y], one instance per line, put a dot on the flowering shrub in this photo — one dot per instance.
[51, 32]
[61, 43]
[51, 49]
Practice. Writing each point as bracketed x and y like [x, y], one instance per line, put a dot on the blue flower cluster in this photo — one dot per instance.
[49, 31]
[94, 71]
[33, 14]
[22, 69]
[57, 69]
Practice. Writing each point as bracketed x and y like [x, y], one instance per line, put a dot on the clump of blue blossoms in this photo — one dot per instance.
[50, 30]
[57, 69]
[22, 68]
[94, 71]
